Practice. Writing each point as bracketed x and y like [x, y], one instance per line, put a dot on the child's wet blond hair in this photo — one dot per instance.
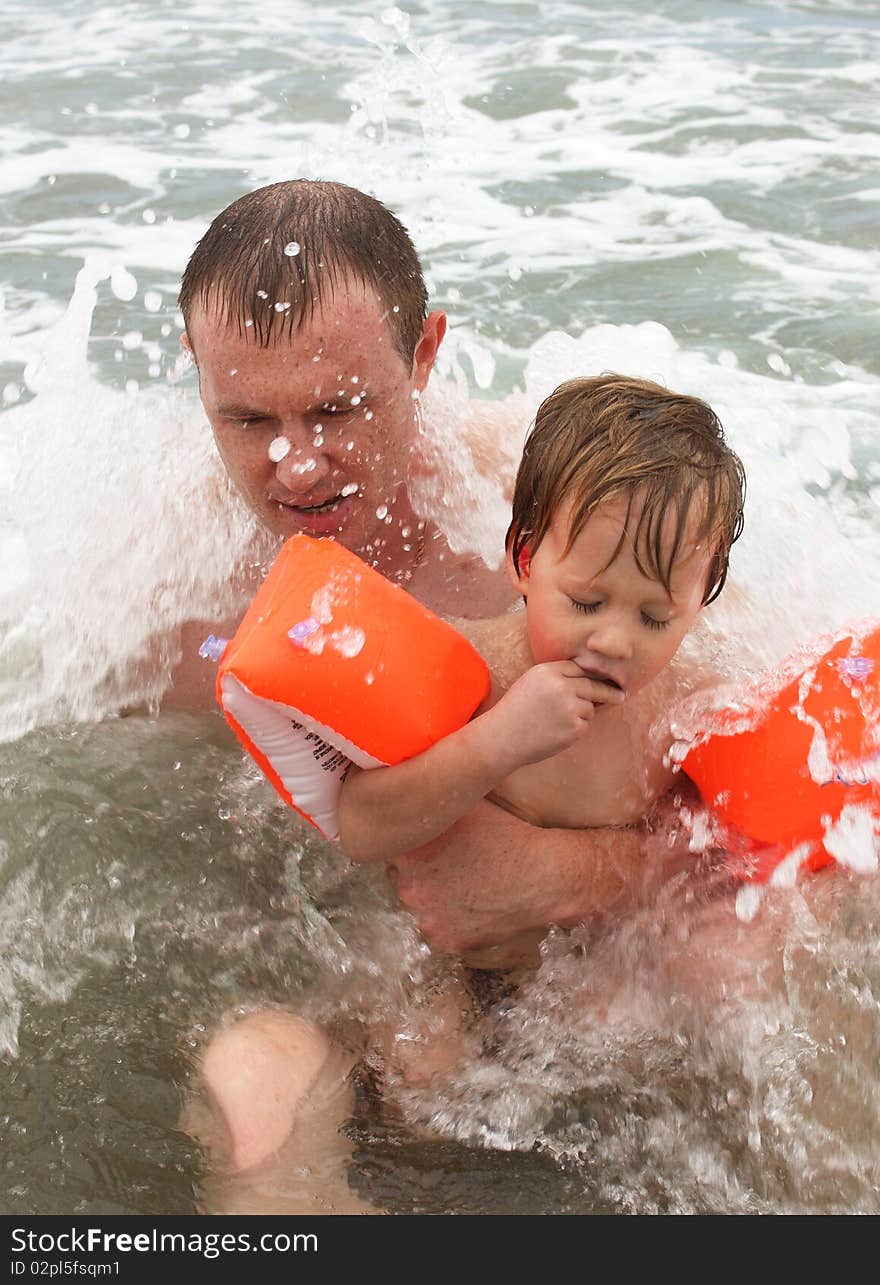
[610, 436]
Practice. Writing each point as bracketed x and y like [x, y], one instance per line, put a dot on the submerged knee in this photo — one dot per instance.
[258, 1071]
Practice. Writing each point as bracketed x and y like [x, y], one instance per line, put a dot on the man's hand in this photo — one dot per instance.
[492, 880]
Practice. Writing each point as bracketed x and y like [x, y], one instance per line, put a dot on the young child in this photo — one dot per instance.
[626, 504]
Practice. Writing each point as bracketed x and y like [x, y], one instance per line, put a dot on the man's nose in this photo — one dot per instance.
[299, 455]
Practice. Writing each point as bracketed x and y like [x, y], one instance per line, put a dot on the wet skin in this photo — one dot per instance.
[593, 604]
[338, 391]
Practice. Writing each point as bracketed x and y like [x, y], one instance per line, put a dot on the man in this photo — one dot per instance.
[305, 313]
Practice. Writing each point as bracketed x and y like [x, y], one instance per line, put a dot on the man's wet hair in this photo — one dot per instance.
[608, 437]
[272, 258]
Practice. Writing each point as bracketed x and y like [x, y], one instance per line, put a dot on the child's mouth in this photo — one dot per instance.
[599, 677]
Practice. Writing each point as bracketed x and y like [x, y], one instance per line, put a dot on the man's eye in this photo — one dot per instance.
[336, 410]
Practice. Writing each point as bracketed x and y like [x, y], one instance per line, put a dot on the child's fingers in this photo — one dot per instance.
[589, 688]
[599, 693]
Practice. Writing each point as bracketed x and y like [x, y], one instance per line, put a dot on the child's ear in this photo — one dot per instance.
[520, 578]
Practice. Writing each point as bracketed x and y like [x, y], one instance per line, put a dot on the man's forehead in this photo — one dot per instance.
[350, 315]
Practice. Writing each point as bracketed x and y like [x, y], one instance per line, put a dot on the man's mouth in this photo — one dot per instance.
[322, 518]
[322, 506]
[326, 506]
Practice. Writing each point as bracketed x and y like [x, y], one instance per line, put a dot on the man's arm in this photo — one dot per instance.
[493, 883]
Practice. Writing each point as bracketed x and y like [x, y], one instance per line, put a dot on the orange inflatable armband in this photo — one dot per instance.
[805, 762]
[333, 665]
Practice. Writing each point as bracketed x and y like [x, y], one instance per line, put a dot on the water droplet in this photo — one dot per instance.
[382, 511]
[181, 131]
[367, 415]
[303, 630]
[281, 307]
[292, 248]
[213, 648]
[148, 216]
[152, 300]
[261, 294]
[858, 668]
[132, 339]
[348, 642]
[778, 363]
[122, 283]
[279, 447]
[350, 488]
[356, 401]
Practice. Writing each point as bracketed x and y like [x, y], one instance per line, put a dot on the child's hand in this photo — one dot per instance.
[549, 708]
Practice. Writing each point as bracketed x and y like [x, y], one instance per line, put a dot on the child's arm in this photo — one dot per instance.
[390, 810]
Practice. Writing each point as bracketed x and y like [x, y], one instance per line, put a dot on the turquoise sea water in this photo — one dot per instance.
[680, 190]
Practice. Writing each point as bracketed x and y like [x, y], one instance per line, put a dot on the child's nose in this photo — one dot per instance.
[612, 638]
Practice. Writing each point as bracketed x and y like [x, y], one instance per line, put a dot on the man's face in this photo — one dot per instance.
[595, 606]
[316, 430]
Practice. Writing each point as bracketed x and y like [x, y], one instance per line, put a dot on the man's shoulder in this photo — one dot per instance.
[494, 432]
[194, 678]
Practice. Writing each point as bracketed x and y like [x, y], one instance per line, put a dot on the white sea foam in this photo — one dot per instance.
[565, 182]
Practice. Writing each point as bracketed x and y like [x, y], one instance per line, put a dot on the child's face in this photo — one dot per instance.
[615, 622]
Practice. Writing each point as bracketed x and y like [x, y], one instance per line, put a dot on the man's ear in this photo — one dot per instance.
[519, 578]
[433, 330]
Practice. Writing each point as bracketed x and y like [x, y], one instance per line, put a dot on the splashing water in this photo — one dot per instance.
[563, 182]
